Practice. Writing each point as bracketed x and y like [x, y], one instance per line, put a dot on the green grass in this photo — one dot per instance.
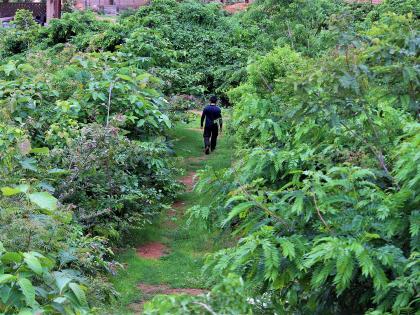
[188, 245]
[190, 144]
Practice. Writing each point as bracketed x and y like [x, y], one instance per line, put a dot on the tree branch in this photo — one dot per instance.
[111, 86]
[206, 307]
[319, 211]
[263, 207]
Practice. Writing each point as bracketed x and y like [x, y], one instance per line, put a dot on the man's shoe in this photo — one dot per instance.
[207, 150]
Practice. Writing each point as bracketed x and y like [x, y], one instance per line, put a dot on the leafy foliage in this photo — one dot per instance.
[28, 285]
[206, 52]
[324, 195]
[84, 159]
[21, 37]
[229, 297]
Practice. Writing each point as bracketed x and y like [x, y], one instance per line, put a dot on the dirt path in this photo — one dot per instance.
[157, 250]
[171, 251]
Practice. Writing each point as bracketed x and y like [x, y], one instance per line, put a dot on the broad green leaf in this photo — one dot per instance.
[23, 188]
[62, 281]
[40, 151]
[26, 312]
[125, 77]
[9, 68]
[28, 291]
[25, 67]
[11, 257]
[57, 171]
[29, 164]
[5, 292]
[79, 293]
[60, 300]
[43, 200]
[33, 263]
[9, 191]
[166, 120]
[7, 278]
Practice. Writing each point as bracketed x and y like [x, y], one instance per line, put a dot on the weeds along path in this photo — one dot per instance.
[168, 255]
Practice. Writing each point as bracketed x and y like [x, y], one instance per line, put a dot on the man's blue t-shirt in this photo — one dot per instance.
[211, 113]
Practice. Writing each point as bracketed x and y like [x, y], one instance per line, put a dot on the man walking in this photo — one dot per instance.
[213, 116]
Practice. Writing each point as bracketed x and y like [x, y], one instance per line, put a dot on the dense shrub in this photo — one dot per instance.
[324, 194]
[117, 184]
[229, 297]
[83, 159]
[22, 37]
[204, 54]
[70, 25]
[29, 286]
[322, 198]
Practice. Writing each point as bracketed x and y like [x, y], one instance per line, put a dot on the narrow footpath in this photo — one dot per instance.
[168, 255]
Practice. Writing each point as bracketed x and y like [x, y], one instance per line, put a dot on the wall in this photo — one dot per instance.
[9, 9]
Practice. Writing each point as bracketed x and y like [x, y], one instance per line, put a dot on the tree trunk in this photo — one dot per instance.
[53, 9]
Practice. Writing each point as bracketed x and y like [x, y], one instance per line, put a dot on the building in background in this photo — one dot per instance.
[109, 6]
[42, 10]
[9, 8]
[115, 6]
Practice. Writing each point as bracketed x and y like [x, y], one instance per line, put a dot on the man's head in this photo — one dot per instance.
[213, 99]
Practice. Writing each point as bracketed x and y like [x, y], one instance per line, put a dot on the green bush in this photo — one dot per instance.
[23, 20]
[84, 132]
[129, 180]
[22, 37]
[206, 49]
[72, 24]
[229, 297]
[324, 194]
[29, 285]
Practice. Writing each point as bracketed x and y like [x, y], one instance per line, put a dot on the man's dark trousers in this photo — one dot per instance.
[210, 136]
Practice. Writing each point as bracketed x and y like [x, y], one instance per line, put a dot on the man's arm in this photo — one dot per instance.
[221, 120]
[203, 116]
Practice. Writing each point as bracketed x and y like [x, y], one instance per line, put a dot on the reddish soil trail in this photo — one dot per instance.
[151, 289]
[189, 180]
[237, 7]
[177, 206]
[154, 250]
